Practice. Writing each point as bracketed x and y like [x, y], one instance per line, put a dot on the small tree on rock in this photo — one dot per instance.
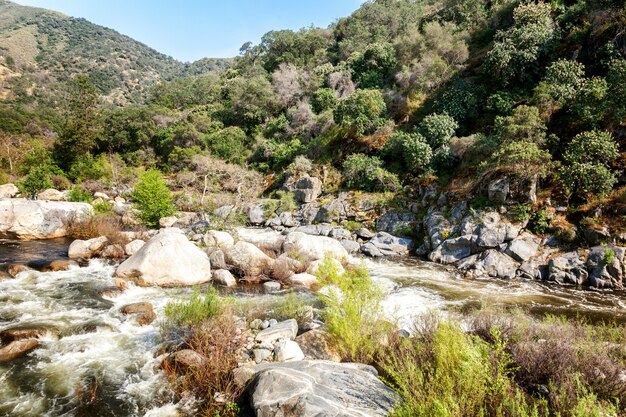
[152, 198]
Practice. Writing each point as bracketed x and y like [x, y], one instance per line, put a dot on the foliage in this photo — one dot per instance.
[184, 314]
[438, 129]
[591, 147]
[87, 167]
[324, 99]
[228, 144]
[563, 79]
[522, 158]
[524, 124]
[152, 198]
[79, 195]
[587, 179]
[366, 173]
[360, 113]
[38, 179]
[608, 256]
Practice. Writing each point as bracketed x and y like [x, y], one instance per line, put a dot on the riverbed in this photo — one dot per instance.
[94, 361]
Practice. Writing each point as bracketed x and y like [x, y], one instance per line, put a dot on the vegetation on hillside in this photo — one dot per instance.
[396, 95]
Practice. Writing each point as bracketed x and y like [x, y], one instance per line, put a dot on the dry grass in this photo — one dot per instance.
[108, 225]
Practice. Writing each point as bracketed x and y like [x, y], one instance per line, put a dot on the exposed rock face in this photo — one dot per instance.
[319, 388]
[393, 221]
[168, 259]
[52, 195]
[607, 266]
[28, 219]
[453, 250]
[312, 248]
[248, 259]
[17, 349]
[8, 190]
[86, 249]
[498, 190]
[384, 244]
[523, 248]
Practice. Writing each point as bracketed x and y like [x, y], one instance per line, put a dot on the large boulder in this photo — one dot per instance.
[395, 222]
[286, 330]
[320, 389]
[384, 244]
[453, 250]
[8, 190]
[523, 247]
[306, 189]
[606, 266]
[249, 260]
[568, 268]
[266, 239]
[498, 190]
[52, 195]
[167, 260]
[85, 249]
[17, 349]
[30, 219]
[312, 248]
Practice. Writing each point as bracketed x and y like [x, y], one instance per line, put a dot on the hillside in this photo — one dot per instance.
[39, 48]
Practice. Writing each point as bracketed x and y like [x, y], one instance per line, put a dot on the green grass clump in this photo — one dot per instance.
[185, 314]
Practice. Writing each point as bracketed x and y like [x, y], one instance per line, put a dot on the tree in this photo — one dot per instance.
[324, 99]
[152, 198]
[524, 124]
[360, 113]
[228, 144]
[592, 147]
[616, 81]
[372, 68]
[366, 173]
[563, 79]
[83, 123]
[517, 50]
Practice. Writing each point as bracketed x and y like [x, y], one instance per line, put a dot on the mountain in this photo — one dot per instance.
[40, 48]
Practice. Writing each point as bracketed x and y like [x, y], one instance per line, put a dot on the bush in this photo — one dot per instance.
[152, 198]
[183, 315]
[563, 79]
[353, 312]
[417, 153]
[524, 124]
[438, 129]
[37, 180]
[587, 179]
[89, 167]
[228, 144]
[591, 147]
[79, 195]
[524, 159]
[361, 112]
[366, 173]
[324, 99]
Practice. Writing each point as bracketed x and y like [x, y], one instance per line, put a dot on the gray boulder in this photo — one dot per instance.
[248, 259]
[319, 389]
[568, 268]
[306, 189]
[394, 221]
[606, 266]
[453, 250]
[313, 248]
[384, 244]
[52, 195]
[498, 190]
[287, 329]
[523, 248]
[8, 190]
[86, 249]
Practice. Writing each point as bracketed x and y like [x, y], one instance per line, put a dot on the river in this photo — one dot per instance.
[91, 348]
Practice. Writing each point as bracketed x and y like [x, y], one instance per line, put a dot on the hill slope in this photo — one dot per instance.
[39, 47]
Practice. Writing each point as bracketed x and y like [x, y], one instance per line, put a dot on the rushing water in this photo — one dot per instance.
[90, 347]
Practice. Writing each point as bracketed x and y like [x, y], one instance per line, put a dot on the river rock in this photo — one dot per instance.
[395, 222]
[36, 219]
[218, 238]
[489, 263]
[303, 279]
[350, 245]
[168, 259]
[319, 388]
[133, 247]
[17, 349]
[568, 268]
[523, 247]
[217, 259]
[287, 329]
[8, 190]
[115, 251]
[271, 286]
[10, 335]
[86, 249]
[167, 221]
[312, 248]
[15, 269]
[606, 266]
[256, 214]
[315, 345]
[287, 350]
[52, 195]
[453, 250]
[248, 259]
[384, 244]
[143, 310]
[186, 359]
[60, 265]
[265, 239]
[224, 277]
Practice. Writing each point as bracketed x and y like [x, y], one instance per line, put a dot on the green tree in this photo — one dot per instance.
[438, 129]
[373, 67]
[524, 124]
[516, 51]
[228, 144]
[361, 112]
[324, 99]
[366, 173]
[152, 198]
[616, 81]
[563, 79]
[83, 123]
[591, 147]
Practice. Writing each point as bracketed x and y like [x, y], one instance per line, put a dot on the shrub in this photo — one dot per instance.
[324, 99]
[524, 159]
[79, 195]
[361, 112]
[563, 79]
[438, 129]
[587, 179]
[37, 180]
[524, 124]
[594, 147]
[366, 173]
[180, 158]
[108, 225]
[589, 105]
[183, 315]
[417, 153]
[228, 144]
[89, 167]
[152, 198]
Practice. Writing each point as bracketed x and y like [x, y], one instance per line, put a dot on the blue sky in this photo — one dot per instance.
[194, 29]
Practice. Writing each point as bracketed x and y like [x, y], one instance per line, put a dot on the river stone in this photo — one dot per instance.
[52, 195]
[365, 233]
[133, 247]
[497, 264]
[217, 259]
[36, 219]
[260, 355]
[315, 345]
[86, 249]
[224, 277]
[568, 268]
[186, 359]
[603, 274]
[271, 286]
[453, 250]
[523, 248]
[256, 215]
[287, 329]
[60, 265]
[319, 389]
[395, 221]
[264, 239]
[17, 349]
[167, 221]
[10, 335]
[168, 259]
[248, 259]
[8, 190]
[115, 251]
[303, 279]
[389, 245]
[15, 269]
[312, 248]
[143, 310]
[287, 350]
[220, 239]
[350, 245]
